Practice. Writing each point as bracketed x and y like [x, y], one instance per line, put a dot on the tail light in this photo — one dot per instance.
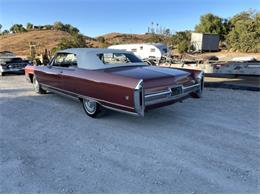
[139, 98]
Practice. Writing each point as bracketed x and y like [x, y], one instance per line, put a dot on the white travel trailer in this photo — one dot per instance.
[145, 51]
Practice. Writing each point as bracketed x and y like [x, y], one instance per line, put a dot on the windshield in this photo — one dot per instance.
[11, 60]
[118, 58]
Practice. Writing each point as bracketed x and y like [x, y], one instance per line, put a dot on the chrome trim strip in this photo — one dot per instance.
[118, 110]
[82, 96]
[62, 93]
[166, 99]
[158, 94]
[196, 85]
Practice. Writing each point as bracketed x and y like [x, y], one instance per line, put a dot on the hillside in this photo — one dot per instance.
[119, 38]
[19, 42]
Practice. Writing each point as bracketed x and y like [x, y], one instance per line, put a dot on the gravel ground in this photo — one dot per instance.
[49, 145]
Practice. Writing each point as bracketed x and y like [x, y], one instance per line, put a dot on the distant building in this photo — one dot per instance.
[205, 41]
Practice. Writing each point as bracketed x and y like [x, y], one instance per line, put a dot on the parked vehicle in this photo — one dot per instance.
[151, 53]
[10, 64]
[114, 79]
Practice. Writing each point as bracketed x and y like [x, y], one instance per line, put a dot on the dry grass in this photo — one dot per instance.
[19, 43]
[113, 38]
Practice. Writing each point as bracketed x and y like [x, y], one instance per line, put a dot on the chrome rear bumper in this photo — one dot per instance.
[143, 100]
[168, 95]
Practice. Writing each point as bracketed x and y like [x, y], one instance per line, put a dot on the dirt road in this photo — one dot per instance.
[49, 145]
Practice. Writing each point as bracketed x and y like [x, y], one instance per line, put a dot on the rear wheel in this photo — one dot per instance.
[37, 87]
[91, 107]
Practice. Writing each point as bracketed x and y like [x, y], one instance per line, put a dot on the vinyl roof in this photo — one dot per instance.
[88, 57]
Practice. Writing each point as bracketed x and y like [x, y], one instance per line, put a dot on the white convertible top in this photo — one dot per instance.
[87, 58]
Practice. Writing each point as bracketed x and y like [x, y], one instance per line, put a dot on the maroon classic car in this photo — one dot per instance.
[114, 79]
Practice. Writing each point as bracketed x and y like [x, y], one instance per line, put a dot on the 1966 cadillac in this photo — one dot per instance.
[114, 79]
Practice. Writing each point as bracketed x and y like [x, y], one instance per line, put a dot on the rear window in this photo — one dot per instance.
[118, 58]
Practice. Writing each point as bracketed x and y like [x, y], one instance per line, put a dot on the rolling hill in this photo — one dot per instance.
[19, 42]
[118, 38]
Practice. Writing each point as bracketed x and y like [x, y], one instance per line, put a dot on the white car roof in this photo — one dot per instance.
[87, 58]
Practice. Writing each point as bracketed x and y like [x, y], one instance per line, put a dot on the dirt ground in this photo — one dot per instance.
[49, 145]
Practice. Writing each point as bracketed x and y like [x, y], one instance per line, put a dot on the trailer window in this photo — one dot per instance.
[152, 50]
[165, 50]
[134, 50]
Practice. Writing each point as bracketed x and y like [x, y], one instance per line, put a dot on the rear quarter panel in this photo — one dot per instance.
[110, 90]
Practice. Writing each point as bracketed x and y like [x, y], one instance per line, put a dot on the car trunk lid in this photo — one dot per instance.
[154, 77]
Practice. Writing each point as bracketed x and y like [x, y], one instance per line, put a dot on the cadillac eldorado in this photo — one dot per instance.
[114, 79]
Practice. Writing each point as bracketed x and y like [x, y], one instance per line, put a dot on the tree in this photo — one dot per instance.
[58, 26]
[183, 46]
[29, 26]
[65, 27]
[182, 41]
[167, 32]
[243, 16]
[73, 41]
[245, 33]
[154, 38]
[48, 27]
[210, 23]
[5, 32]
[16, 28]
[101, 39]
[70, 29]
[0, 27]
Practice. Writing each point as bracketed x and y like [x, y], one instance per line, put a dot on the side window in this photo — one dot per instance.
[152, 50]
[65, 60]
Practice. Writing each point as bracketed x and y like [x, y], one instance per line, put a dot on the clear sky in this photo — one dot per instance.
[98, 17]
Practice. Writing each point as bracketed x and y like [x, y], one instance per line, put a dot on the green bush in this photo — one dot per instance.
[74, 41]
[101, 39]
[16, 28]
[245, 33]
[29, 26]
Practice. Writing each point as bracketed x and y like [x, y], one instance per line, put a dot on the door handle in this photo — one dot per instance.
[61, 72]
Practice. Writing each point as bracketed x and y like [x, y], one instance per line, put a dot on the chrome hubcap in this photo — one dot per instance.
[36, 85]
[90, 106]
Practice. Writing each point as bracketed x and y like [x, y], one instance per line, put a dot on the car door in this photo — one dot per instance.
[51, 75]
[69, 74]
